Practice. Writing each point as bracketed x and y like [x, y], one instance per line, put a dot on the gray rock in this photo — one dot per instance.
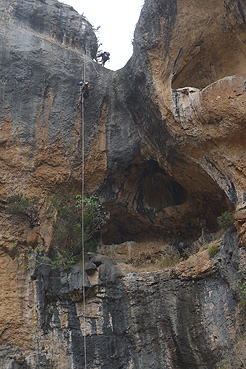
[90, 267]
[78, 280]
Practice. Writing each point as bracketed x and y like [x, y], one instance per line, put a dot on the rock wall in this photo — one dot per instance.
[44, 44]
[165, 153]
[184, 317]
[141, 133]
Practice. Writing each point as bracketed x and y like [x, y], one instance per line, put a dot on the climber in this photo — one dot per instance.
[105, 57]
[84, 93]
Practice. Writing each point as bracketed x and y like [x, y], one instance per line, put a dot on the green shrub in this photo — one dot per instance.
[29, 256]
[226, 220]
[222, 366]
[24, 206]
[71, 210]
[69, 235]
[26, 257]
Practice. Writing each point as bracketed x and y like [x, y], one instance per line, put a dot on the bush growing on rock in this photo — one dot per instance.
[213, 250]
[77, 223]
[241, 282]
[24, 206]
[71, 211]
[226, 220]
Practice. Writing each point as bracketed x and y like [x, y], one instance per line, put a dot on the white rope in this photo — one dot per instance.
[83, 196]
[94, 66]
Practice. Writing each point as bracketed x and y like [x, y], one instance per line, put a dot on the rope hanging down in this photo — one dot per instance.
[83, 197]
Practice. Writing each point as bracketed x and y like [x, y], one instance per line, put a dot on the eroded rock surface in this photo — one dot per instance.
[187, 316]
[165, 153]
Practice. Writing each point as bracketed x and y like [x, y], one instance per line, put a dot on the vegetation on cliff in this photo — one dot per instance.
[77, 224]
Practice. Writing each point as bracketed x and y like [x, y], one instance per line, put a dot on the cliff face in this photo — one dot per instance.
[186, 104]
[184, 317]
[165, 153]
[191, 110]
[43, 43]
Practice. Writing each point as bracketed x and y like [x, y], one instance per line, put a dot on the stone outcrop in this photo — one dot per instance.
[187, 316]
[165, 152]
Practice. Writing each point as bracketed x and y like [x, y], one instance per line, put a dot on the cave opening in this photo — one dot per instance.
[156, 190]
[146, 203]
[144, 191]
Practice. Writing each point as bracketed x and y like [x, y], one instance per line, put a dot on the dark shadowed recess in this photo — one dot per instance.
[145, 202]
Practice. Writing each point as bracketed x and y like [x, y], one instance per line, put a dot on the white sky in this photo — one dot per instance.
[117, 20]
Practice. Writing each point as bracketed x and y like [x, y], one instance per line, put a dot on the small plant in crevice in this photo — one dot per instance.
[217, 119]
[49, 364]
[223, 365]
[51, 311]
[213, 250]
[62, 258]
[241, 283]
[25, 207]
[27, 256]
[226, 220]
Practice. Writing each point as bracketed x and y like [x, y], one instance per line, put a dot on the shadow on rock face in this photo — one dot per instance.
[143, 201]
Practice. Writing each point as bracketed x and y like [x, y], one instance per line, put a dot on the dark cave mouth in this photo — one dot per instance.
[145, 202]
[145, 191]
[156, 190]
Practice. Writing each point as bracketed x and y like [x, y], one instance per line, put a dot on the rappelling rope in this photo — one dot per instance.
[83, 197]
[94, 66]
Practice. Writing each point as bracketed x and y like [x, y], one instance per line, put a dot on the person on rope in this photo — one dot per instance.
[84, 92]
[105, 57]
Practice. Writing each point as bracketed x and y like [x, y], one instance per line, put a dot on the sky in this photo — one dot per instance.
[117, 21]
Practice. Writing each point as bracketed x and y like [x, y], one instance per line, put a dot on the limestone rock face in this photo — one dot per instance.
[164, 151]
[187, 112]
[44, 43]
[156, 150]
[191, 112]
[185, 317]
